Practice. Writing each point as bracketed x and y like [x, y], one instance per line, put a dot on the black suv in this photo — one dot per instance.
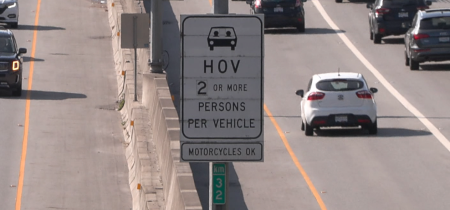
[389, 17]
[428, 39]
[10, 63]
[280, 13]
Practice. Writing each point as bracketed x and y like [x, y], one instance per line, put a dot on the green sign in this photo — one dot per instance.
[219, 183]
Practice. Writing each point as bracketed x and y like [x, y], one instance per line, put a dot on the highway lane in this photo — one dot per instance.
[403, 167]
[73, 139]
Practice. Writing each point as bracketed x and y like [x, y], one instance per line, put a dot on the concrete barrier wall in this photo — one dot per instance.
[158, 180]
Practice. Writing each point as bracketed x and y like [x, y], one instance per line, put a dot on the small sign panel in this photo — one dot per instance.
[135, 30]
[222, 87]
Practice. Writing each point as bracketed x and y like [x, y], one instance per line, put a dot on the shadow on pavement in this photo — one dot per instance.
[235, 198]
[394, 41]
[435, 67]
[39, 28]
[28, 59]
[42, 95]
[290, 31]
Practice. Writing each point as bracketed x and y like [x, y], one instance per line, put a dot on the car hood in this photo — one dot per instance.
[7, 56]
[7, 1]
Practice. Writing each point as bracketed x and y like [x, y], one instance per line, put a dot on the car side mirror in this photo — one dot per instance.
[22, 50]
[299, 93]
[369, 5]
[406, 25]
[428, 3]
[249, 2]
[374, 90]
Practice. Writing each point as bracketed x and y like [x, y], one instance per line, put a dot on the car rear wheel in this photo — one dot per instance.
[376, 38]
[373, 129]
[303, 126]
[14, 25]
[406, 59]
[17, 91]
[371, 34]
[308, 130]
[301, 28]
[413, 65]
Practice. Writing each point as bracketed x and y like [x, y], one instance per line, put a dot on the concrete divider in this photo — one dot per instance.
[157, 178]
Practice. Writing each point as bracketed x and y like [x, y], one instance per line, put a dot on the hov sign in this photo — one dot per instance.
[222, 87]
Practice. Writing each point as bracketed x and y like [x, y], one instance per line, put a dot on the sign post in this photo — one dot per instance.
[134, 34]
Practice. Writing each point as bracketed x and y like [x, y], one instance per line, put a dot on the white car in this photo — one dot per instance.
[338, 99]
[9, 12]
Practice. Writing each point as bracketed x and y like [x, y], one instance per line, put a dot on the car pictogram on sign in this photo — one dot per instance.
[222, 36]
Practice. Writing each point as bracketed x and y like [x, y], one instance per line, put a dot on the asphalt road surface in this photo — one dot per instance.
[62, 140]
[405, 166]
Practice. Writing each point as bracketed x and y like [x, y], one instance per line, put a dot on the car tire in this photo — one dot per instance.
[406, 59]
[309, 130]
[373, 129]
[338, 1]
[376, 38]
[18, 90]
[14, 25]
[303, 126]
[413, 65]
[301, 28]
[371, 34]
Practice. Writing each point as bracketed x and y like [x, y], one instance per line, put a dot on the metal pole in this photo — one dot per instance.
[156, 37]
[219, 7]
[135, 55]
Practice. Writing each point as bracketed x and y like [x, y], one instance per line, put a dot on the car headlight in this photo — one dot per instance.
[15, 65]
[11, 4]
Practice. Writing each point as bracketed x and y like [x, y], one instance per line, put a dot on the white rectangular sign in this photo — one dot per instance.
[222, 86]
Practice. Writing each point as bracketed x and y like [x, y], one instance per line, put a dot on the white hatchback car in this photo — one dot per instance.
[9, 12]
[338, 99]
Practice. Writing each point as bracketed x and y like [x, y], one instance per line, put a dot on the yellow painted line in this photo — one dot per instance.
[294, 158]
[27, 113]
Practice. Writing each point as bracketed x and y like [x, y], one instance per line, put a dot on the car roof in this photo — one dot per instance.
[337, 75]
[430, 13]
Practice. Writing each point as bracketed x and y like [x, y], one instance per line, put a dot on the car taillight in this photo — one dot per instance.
[298, 3]
[423, 7]
[364, 94]
[258, 4]
[382, 11]
[420, 36]
[316, 96]
[15, 65]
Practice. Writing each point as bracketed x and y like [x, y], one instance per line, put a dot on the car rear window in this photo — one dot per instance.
[435, 23]
[279, 1]
[403, 2]
[339, 85]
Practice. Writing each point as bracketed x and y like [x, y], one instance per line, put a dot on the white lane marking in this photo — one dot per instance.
[444, 141]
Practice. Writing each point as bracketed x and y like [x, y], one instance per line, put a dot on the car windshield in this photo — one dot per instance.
[6, 45]
[435, 23]
[339, 85]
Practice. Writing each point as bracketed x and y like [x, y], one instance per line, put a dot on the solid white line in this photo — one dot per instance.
[444, 141]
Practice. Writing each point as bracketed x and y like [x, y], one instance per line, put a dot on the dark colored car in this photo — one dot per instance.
[280, 13]
[428, 38]
[388, 17]
[10, 63]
